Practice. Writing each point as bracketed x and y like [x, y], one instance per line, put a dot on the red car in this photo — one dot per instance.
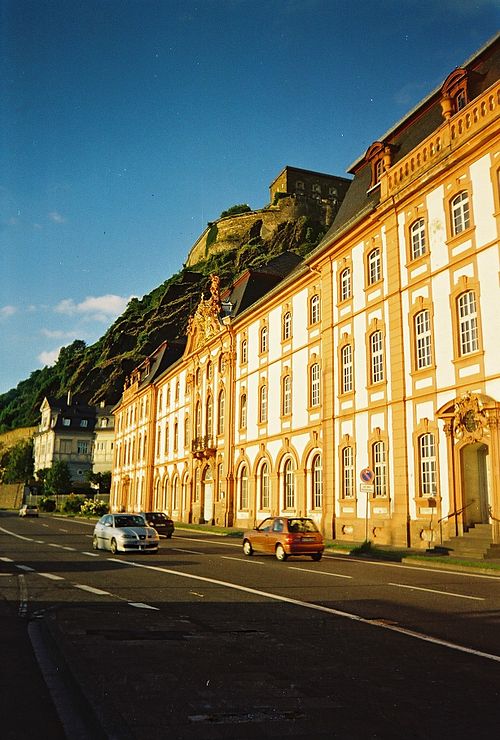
[283, 536]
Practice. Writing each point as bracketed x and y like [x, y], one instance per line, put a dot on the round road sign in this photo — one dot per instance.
[367, 475]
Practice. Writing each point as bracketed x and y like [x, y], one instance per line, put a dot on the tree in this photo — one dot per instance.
[19, 463]
[58, 478]
[235, 210]
[100, 480]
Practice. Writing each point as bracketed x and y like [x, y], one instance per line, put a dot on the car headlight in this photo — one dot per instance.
[127, 536]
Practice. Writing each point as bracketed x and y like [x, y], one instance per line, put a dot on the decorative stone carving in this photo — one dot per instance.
[470, 419]
[205, 321]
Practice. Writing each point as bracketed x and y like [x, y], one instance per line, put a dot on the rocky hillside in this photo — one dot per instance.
[97, 372]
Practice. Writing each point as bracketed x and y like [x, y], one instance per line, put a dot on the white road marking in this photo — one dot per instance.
[92, 590]
[51, 576]
[241, 560]
[39, 542]
[63, 530]
[191, 552]
[435, 591]
[315, 607]
[54, 544]
[26, 568]
[140, 605]
[195, 593]
[321, 572]
[6, 574]
[18, 536]
[71, 549]
[6, 560]
[91, 554]
[23, 597]
[421, 568]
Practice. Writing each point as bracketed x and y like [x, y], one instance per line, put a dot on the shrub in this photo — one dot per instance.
[73, 504]
[47, 504]
[93, 507]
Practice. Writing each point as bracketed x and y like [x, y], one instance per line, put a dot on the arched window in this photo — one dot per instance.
[166, 439]
[177, 392]
[374, 267]
[427, 463]
[220, 482]
[346, 369]
[286, 404]
[379, 468]
[347, 472]
[286, 331]
[314, 310]
[263, 403]
[317, 482]
[345, 284]
[460, 213]
[210, 370]
[209, 416]
[175, 493]
[264, 486]
[468, 335]
[176, 436]
[314, 385]
[196, 486]
[244, 351]
[243, 480]
[288, 485]
[221, 406]
[263, 339]
[417, 239]
[186, 430]
[376, 357]
[243, 411]
[197, 420]
[423, 344]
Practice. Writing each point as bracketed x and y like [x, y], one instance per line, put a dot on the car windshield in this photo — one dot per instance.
[129, 521]
[157, 517]
[301, 525]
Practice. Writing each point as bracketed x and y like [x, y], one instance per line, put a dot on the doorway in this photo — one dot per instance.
[208, 495]
[475, 485]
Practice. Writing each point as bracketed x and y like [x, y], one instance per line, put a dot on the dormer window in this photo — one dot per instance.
[375, 156]
[454, 93]
[84, 423]
[66, 422]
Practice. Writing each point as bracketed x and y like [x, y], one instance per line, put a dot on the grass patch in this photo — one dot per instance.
[445, 560]
[211, 529]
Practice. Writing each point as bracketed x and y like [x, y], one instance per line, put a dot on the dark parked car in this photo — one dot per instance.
[283, 536]
[160, 521]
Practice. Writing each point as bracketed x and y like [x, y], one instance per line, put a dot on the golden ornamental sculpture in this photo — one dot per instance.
[205, 320]
[470, 419]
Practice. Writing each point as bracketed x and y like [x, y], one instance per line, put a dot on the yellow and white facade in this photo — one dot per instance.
[379, 353]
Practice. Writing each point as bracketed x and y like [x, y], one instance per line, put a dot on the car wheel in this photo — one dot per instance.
[280, 553]
[95, 543]
[247, 548]
[114, 546]
[317, 556]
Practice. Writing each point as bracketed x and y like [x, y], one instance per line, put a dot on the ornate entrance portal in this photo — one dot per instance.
[473, 461]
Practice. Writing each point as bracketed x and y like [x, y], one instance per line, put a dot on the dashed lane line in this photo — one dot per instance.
[315, 607]
[92, 590]
[51, 576]
[435, 591]
[90, 554]
[319, 572]
[242, 560]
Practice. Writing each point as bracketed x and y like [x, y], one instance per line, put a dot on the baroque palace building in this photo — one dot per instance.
[360, 386]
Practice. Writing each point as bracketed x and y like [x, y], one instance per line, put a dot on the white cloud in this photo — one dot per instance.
[50, 357]
[56, 217]
[7, 311]
[59, 334]
[94, 308]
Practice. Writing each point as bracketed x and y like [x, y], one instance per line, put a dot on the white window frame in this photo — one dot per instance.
[264, 481]
[417, 238]
[314, 309]
[376, 357]
[317, 482]
[468, 334]
[380, 469]
[315, 385]
[288, 485]
[347, 472]
[427, 464]
[347, 368]
[460, 213]
[423, 339]
[287, 395]
[345, 284]
[374, 266]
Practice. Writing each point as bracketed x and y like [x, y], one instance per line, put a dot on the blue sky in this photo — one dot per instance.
[126, 125]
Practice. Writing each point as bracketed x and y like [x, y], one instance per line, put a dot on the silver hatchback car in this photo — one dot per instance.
[123, 533]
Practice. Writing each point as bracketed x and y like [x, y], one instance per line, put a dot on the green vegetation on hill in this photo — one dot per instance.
[97, 372]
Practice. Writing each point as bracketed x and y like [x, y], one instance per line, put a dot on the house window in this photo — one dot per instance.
[209, 416]
[314, 376]
[345, 284]
[221, 412]
[417, 239]
[210, 370]
[377, 171]
[84, 423]
[460, 215]
[222, 364]
[467, 323]
[377, 357]
[186, 430]
[347, 472]
[166, 439]
[66, 422]
[263, 339]
[379, 468]
[289, 485]
[299, 185]
[374, 267]
[287, 326]
[176, 437]
[346, 362]
[427, 460]
[460, 100]
[317, 483]
[177, 391]
[286, 395]
[196, 486]
[197, 420]
[220, 482]
[423, 348]
[244, 351]
[175, 494]
[264, 486]
[243, 411]
[82, 447]
[158, 441]
[243, 487]
[314, 314]
[263, 403]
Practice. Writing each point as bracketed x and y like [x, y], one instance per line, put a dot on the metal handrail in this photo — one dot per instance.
[448, 516]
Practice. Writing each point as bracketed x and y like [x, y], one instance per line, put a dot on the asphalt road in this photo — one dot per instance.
[200, 641]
